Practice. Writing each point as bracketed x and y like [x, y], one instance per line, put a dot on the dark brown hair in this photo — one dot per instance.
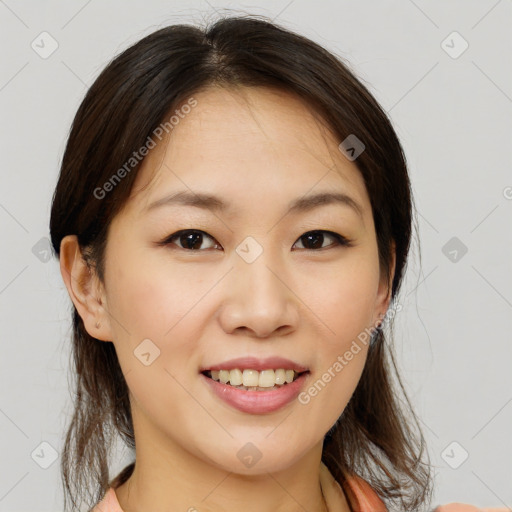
[131, 97]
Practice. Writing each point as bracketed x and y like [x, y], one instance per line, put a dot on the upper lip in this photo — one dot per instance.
[254, 363]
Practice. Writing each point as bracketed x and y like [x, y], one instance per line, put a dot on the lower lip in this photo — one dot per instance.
[257, 402]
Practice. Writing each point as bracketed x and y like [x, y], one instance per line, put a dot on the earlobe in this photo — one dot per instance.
[85, 289]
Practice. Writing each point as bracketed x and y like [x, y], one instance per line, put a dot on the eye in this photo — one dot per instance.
[191, 240]
[317, 237]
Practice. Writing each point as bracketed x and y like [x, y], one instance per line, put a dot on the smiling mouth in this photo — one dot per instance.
[252, 380]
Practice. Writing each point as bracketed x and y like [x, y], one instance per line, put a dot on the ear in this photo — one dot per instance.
[85, 289]
[384, 292]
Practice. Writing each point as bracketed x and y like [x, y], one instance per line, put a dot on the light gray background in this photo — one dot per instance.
[454, 117]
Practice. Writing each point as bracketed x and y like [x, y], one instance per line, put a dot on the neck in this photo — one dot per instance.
[175, 479]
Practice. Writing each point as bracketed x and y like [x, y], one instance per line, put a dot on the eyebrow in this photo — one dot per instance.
[214, 203]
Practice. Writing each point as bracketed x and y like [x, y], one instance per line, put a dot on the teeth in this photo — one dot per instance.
[266, 379]
[250, 377]
[280, 376]
[224, 376]
[235, 377]
[253, 378]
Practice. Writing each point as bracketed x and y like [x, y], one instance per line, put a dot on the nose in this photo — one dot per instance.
[259, 299]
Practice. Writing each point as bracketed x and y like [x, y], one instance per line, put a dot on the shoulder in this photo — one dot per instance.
[463, 507]
[109, 503]
[362, 495]
[353, 491]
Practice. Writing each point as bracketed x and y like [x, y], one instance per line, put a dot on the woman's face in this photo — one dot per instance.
[245, 283]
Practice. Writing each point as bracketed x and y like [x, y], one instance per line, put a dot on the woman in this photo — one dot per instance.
[233, 217]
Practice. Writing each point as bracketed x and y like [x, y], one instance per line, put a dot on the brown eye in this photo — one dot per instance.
[193, 239]
[188, 239]
[315, 239]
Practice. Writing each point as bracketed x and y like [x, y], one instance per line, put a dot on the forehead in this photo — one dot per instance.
[247, 142]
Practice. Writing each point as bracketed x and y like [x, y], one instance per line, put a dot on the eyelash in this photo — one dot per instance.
[341, 241]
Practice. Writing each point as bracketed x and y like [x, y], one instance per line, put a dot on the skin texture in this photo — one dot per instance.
[258, 149]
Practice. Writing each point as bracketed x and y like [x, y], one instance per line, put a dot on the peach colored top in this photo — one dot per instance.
[360, 495]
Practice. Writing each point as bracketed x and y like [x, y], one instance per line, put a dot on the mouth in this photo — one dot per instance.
[243, 392]
[254, 380]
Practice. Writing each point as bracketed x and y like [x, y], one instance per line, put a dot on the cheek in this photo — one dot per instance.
[341, 377]
[345, 301]
[345, 306]
[157, 303]
[150, 299]
[335, 380]
[150, 303]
